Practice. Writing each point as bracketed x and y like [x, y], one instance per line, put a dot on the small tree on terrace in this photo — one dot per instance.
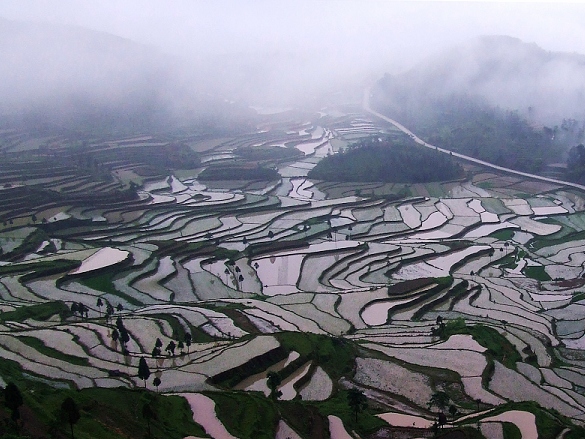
[149, 414]
[171, 348]
[99, 304]
[357, 401]
[143, 370]
[156, 382]
[70, 412]
[188, 339]
[13, 400]
[109, 310]
[273, 380]
[440, 400]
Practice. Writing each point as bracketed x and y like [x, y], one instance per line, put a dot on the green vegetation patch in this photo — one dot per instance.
[503, 235]
[260, 363]
[334, 354]
[541, 242]
[549, 423]
[511, 431]
[537, 272]
[43, 349]
[40, 312]
[246, 415]
[498, 346]
[197, 335]
[105, 413]
[103, 282]
[35, 270]
[367, 423]
[388, 161]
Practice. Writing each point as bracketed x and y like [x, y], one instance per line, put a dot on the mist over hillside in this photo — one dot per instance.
[75, 78]
[545, 87]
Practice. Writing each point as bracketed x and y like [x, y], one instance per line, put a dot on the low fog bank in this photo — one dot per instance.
[72, 77]
[75, 78]
[544, 87]
[78, 78]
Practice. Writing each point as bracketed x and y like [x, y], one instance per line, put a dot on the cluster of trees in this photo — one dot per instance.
[576, 164]
[467, 125]
[13, 400]
[377, 159]
[171, 346]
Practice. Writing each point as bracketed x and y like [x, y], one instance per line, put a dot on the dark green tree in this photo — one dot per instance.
[99, 304]
[156, 382]
[440, 400]
[115, 335]
[357, 401]
[149, 414]
[171, 348]
[188, 339]
[13, 400]
[124, 336]
[143, 370]
[273, 380]
[70, 412]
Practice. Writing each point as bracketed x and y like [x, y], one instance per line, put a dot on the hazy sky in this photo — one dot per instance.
[278, 51]
[380, 33]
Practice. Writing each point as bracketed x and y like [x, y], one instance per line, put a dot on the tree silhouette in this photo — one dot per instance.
[171, 348]
[109, 310]
[156, 382]
[70, 412]
[115, 335]
[119, 323]
[82, 310]
[181, 346]
[143, 370]
[440, 400]
[149, 414]
[124, 336]
[188, 339]
[13, 400]
[99, 304]
[273, 380]
[453, 411]
[442, 419]
[357, 401]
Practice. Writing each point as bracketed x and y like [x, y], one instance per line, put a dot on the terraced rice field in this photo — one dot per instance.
[236, 264]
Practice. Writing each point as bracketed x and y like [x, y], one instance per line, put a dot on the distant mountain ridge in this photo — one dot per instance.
[502, 71]
[78, 78]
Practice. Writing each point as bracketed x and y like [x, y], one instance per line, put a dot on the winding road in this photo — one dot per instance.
[366, 105]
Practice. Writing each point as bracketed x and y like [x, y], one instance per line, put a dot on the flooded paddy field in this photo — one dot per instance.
[473, 288]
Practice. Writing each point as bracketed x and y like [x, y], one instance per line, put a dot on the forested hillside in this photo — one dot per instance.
[497, 99]
[376, 159]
